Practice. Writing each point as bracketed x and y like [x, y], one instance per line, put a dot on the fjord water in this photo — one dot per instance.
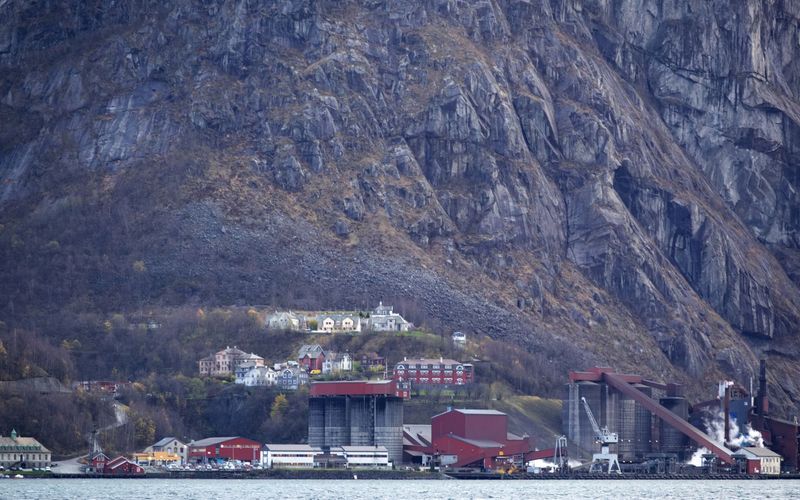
[180, 489]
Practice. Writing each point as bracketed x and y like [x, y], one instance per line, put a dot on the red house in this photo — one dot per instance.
[476, 438]
[98, 462]
[433, 372]
[311, 357]
[224, 448]
[121, 466]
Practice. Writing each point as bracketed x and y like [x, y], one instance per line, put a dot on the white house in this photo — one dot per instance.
[297, 456]
[259, 376]
[459, 339]
[384, 319]
[339, 323]
[242, 370]
[283, 320]
[336, 362]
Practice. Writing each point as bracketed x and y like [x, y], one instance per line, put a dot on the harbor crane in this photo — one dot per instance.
[560, 456]
[604, 438]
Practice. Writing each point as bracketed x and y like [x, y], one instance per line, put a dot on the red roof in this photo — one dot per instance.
[120, 459]
[354, 388]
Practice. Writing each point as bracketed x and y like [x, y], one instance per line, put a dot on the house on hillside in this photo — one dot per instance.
[384, 319]
[260, 376]
[311, 357]
[459, 339]
[372, 360]
[284, 320]
[336, 362]
[333, 323]
[441, 371]
[226, 361]
[291, 378]
[242, 370]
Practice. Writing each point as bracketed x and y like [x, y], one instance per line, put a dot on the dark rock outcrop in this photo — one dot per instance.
[612, 182]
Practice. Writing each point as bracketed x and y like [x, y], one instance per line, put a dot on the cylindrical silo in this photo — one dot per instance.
[673, 441]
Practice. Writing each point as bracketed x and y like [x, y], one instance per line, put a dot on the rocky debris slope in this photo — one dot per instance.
[611, 182]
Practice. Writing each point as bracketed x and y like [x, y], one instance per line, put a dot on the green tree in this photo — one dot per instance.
[145, 431]
[279, 407]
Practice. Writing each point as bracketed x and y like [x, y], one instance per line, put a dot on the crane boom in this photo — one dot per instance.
[602, 435]
[592, 421]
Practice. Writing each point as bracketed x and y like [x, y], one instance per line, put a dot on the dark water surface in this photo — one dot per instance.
[240, 489]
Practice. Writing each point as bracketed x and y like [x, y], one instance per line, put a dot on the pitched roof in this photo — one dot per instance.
[164, 441]
[340, 317]
[250, 357]
[309, 350]
[212, 441]
[760, 452]
[113, 463]
[119, 461]
[468, 411]
[282, 315]
[235, 351]
[19, 442]
[417, 434]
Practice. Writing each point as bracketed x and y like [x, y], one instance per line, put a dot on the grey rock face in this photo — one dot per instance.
[617, 179]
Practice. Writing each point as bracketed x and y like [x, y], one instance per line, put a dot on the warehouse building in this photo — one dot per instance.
[290, 456]
[476, 438]
[220, 449]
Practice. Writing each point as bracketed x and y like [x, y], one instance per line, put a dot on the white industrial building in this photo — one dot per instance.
[299, 456]
[364, 457]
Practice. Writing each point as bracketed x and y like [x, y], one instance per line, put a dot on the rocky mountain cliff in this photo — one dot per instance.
[600, 181]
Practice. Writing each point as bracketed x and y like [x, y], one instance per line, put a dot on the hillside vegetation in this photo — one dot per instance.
[165, 396]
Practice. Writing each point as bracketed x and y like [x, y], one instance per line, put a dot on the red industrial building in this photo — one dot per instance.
[223, 449]
[360, 388]
[439, 371]
[473, 438]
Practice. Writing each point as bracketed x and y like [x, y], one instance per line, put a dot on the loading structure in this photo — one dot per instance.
[357, 413]
[634, 388]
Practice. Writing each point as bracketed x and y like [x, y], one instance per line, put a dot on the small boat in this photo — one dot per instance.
[18, 476]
